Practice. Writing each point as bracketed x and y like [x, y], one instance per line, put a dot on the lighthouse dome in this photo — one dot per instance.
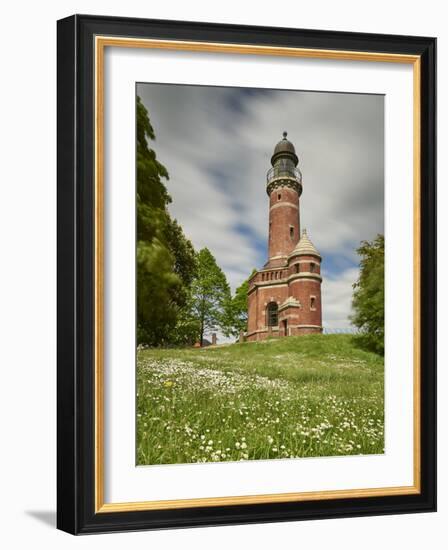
[284, 149]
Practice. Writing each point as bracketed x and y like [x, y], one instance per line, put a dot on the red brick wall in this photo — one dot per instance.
[258, 301]
[283, 217]
[252, 312]
[265, 296]
[304, 264]
[303, 290]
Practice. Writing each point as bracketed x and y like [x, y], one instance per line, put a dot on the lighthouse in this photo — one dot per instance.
[284, 297]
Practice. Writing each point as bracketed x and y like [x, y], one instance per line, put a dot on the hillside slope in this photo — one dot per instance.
[315, 395]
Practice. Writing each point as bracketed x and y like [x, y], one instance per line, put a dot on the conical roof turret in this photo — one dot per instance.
[305, 247]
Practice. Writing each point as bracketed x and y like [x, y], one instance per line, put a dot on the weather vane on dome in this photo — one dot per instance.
[285, 133]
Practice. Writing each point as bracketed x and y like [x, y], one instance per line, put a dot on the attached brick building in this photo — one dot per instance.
[285, 295]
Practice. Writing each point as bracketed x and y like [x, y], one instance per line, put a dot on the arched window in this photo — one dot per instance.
[272, 314]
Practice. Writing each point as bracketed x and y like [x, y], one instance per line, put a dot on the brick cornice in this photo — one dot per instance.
[305, 275]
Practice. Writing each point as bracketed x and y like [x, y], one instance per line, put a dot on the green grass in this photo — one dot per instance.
[306, 396]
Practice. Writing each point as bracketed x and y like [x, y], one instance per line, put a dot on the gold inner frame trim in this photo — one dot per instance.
[101, 42]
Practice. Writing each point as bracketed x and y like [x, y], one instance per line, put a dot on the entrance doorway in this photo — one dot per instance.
[285, 327]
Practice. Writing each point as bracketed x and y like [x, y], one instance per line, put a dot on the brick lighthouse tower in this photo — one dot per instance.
[285, 295]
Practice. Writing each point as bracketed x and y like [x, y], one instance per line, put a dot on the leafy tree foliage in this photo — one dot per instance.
[236, 310]
[183, 251]
[165, 258]
[368, 295]
[210, 292]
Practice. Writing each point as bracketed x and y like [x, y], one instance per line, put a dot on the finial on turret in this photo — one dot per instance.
[285, 133]
[304, 231]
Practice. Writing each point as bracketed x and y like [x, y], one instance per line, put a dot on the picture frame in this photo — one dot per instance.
[82, 41]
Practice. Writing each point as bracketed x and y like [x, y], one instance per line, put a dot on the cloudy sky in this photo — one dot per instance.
[217, 143]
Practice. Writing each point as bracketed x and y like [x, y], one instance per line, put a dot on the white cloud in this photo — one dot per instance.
[336, 298]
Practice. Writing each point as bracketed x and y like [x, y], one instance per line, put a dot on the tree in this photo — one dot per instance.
[165, 258]
[236, 310]
[182, 250]
[157, 289]
[210, 292]
[187, 328]
[368, 295]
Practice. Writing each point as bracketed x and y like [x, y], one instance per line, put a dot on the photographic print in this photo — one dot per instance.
[246, 259]
[260, 274]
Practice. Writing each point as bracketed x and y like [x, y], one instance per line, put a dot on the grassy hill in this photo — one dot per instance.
[305, 396]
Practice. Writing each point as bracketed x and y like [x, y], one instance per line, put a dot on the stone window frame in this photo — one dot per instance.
[313, 303]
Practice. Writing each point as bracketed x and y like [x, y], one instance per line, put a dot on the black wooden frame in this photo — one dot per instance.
[75, 172]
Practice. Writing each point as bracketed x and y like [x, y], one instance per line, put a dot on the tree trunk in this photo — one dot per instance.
[201, 338]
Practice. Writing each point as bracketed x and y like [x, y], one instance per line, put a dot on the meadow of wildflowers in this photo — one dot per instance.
[306, 396]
